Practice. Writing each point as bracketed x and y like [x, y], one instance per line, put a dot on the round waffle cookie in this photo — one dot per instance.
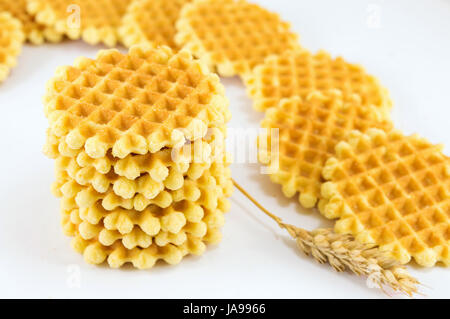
[35, 32]
[151, 21]
[298, 72]
[213, 184]
[232, 36]
[11, 40]
[308, 130]
[94, 21]
[391, 190]
[142, 238]
[210, 148]
[158, 172]
[134, 103]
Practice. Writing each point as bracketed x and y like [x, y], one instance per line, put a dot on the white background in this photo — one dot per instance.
[405, 43]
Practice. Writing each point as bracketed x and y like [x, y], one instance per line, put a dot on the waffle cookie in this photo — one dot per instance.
[151, 21]
[207, 189]
[145, 184]
[168, 234]
[298, 72]
[152, 172]
[35, 33]
[181, 218]
[191, 157]
[308, 130]
[391, 190]
[93, 21]
[146, 175]
[134, 103]
[11, 39]
[118, 255]
[232, 36]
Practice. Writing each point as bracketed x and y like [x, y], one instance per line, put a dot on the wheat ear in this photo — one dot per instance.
[344, 252]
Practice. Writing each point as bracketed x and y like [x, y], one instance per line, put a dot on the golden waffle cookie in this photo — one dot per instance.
[157, 165]
[136, 103]
[172, 225]
[142, 258]
[298, 72]
[232, 36]
[151, 21]
[123, 187]
[145, 237]
[93, 21]
[153, 220]
[308, 131]
[394, 191]
[185, 216]
[11, 39]
[35, 33]
[206, 190]
[193, 158]
[153, 177]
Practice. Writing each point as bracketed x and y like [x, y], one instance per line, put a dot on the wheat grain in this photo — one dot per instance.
[344, 252]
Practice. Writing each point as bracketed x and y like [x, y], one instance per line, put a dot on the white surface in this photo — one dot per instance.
[409, 52]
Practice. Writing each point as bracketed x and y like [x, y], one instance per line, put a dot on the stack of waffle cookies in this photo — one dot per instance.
[141, 168]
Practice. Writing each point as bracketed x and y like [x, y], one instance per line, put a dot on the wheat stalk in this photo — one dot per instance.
[344, 252]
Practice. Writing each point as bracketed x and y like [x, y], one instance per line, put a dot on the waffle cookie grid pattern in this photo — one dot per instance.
[135, 103]
[391, 190]
[151, 21]
[309, 129]
[298, 72]
[232, 36]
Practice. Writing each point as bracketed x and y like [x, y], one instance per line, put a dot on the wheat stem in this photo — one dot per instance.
[344, 252]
